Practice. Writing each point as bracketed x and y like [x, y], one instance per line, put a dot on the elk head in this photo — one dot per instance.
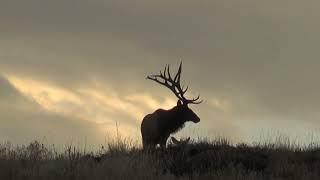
[174, 84]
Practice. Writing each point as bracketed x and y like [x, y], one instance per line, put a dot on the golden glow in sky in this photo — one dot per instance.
[100, 105]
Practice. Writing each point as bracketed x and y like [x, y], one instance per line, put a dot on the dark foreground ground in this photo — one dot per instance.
[196, 160]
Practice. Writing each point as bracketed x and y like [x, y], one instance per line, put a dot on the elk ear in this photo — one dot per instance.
[179, 103]
[175, 141]
[187, 140]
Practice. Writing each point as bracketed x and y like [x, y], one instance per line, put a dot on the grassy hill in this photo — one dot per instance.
[216, 159]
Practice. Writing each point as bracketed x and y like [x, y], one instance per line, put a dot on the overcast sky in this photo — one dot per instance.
[74, 70]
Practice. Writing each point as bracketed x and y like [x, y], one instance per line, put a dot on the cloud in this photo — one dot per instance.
[254, 63]
[98, 105]
[23, 120]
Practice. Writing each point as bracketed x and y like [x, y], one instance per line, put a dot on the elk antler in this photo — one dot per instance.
[174, 84]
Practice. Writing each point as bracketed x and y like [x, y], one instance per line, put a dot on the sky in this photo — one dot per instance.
[73, 71]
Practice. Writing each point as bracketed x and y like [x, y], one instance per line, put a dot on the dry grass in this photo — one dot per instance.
[198, 160]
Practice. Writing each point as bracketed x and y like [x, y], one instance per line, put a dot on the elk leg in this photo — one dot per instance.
[148, 144]
[144, 143]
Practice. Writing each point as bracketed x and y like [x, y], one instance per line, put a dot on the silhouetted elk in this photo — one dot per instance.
[157, 127]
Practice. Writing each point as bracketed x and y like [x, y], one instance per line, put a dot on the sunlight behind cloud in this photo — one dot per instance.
[49, 97]
[103, 106]
[150, 103]
[111, 103]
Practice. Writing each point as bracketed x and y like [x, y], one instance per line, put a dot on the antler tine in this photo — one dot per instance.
[165, 71]
[197, 102]
[178, 75]
[169, 72]
[194, 101]
[154, 78]
[184, 91]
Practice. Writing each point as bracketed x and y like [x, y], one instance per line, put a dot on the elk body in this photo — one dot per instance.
[158, 126]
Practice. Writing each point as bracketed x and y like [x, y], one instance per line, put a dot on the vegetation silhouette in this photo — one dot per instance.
[158, 126]
[184, 159]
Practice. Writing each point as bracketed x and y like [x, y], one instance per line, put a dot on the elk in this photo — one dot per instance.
[158, 126]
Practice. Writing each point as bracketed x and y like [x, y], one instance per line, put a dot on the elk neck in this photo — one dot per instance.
[176, 119]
